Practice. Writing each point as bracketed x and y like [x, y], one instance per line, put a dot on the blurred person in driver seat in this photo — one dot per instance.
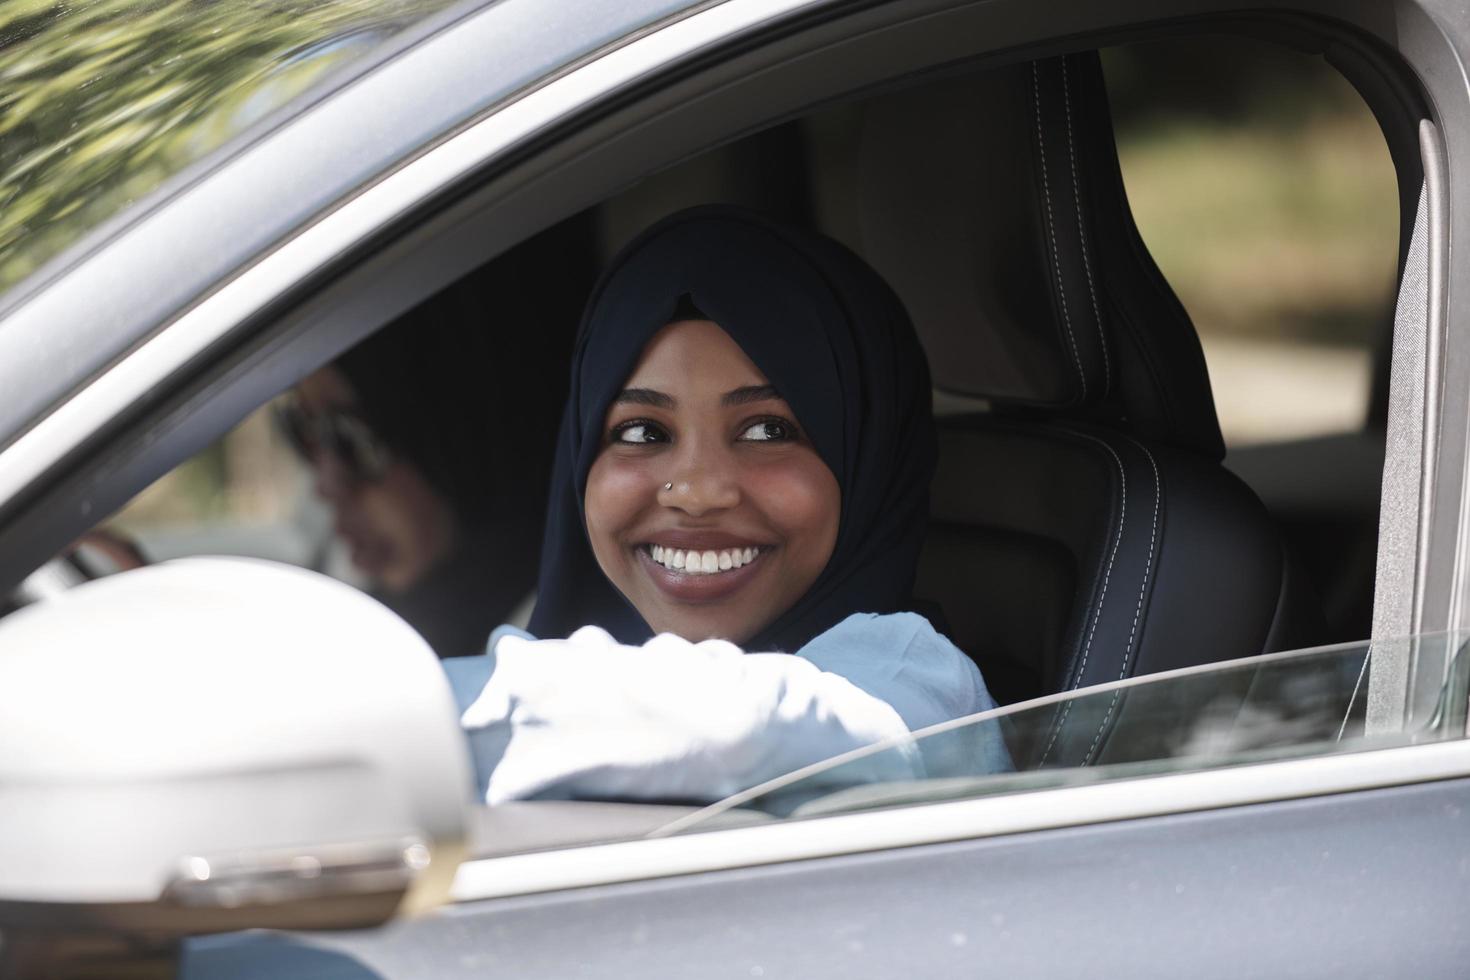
[431, 441]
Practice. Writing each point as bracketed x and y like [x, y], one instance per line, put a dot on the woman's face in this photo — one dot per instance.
[707, 507]
[395, 525]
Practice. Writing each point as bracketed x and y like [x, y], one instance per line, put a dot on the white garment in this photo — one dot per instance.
[674, 720]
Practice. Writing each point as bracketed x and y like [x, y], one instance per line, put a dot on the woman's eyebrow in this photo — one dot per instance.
[752, 393]
[644, 396]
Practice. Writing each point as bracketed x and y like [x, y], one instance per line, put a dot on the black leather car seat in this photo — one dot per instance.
[1083, 528]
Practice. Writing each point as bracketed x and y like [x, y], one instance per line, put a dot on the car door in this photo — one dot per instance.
[505, 119]
[1273, 837]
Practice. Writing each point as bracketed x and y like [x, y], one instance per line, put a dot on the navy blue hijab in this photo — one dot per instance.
[832, 338]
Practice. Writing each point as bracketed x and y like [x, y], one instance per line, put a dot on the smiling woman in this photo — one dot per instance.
[731, 470]
[748, 515]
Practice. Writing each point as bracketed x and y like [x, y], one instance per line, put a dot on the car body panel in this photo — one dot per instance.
[1304, 888]
[107, 102]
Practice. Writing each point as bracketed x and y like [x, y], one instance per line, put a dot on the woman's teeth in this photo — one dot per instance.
[702, 562]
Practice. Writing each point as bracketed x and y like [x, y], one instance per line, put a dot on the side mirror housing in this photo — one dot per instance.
[217, 744]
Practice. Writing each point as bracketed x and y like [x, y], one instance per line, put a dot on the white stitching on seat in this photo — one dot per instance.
[1102, 597]
[1102, 336]
[1051, 226]
[1138, 612]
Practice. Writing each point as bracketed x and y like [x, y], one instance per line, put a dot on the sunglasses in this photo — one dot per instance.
[343, 436]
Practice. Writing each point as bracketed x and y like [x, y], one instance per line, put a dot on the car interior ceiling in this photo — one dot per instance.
[1081, 508]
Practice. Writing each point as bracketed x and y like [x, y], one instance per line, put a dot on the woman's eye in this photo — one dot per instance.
[769, 430]
[639, 433]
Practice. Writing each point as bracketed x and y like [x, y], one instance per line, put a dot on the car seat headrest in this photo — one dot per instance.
[994, 205]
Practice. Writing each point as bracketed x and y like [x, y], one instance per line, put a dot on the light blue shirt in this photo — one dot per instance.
[669, 719]
[903, 660]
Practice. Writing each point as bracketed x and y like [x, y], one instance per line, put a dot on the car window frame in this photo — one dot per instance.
[867, 832]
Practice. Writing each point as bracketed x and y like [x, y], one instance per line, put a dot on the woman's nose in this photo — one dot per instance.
[702, 482]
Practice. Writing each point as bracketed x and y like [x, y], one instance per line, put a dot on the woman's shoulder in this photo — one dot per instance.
[895, 644]
[895, 632]
[903, 659]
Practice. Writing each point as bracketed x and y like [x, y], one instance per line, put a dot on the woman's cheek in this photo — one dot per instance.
[617, 490]
[800, 497]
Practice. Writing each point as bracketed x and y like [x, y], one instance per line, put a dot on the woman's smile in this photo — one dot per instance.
[696, 562]
[707, 508]
[700, 576]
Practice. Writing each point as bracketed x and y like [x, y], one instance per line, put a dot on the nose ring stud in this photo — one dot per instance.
[668, 486]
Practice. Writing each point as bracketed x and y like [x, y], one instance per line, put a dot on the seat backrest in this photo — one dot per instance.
[1083, 528]
[1095, 556]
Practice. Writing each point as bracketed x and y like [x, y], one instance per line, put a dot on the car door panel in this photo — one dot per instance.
[1358, 884]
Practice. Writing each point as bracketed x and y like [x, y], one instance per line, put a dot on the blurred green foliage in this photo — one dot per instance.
[102, 100]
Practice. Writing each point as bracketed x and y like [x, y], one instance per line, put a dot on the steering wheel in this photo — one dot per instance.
[68, 569]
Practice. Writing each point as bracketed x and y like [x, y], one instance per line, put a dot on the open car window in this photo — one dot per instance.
[1266, 708]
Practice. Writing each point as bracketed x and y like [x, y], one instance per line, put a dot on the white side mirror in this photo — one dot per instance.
[215, 744]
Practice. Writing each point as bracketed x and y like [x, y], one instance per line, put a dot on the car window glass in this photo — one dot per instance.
[248, 495]
[105, 100]
[1263, 187]
[1275, 707]
[414, 465]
